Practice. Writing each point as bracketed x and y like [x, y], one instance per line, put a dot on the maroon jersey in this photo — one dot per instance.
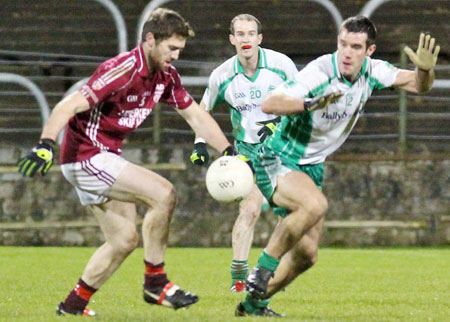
[121, 94]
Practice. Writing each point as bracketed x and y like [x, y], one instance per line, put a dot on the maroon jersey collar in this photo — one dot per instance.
[142, 66]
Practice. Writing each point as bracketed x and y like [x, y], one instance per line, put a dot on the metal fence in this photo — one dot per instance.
[401, 136]
[392, 121]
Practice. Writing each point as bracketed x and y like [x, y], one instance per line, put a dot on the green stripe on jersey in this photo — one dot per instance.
[296, 130]
[263, 59]
[279, 72]
[319, 90]
[238, 130]
[293, 135]
[334, 61]
[222, 89]
[375, 83]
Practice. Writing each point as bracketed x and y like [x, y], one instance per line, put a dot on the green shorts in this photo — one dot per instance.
[268, 166]
[247, 149]
[250, 151]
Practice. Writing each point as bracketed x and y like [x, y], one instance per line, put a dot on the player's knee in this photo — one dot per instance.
[306, 257]
[313, 259]
[128, 241]
[168, 199]
[310, 256]
[305, 263]
[132, 242]
[171, 197]
[318, 207]
[250, 212]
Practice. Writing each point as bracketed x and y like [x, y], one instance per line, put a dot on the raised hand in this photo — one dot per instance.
[425, 57]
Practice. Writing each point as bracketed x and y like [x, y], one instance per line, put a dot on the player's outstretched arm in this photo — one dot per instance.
[425, 57]
[61, 114]
[282, 104]
[199, 155]
[205, 126]
[41, 156]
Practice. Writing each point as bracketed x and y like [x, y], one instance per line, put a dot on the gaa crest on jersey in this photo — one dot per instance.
[132, 98]
[290, 83]
[98, 84]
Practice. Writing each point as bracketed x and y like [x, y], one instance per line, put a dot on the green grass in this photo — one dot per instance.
[345, 285]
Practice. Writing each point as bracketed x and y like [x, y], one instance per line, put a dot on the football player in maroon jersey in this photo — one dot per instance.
[120, 94]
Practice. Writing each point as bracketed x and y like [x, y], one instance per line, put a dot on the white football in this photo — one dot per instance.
[229, 179]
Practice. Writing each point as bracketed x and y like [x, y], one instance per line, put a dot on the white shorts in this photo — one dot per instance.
[94, 177]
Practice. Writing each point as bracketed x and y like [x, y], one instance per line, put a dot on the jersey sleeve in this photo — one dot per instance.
[212, 96]
[289, 68]
[304, 83]
[176, 95]
[383, 74]
[107, 78]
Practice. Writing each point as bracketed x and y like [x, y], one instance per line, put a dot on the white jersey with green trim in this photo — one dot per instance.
[244, 95]
[308, 138]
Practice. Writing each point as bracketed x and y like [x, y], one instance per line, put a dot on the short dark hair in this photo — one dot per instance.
[248, 17]
[361, 24]
[164, 23]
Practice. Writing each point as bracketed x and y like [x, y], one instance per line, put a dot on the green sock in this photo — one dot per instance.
[267, 261]
[239, 270]
[252, 304]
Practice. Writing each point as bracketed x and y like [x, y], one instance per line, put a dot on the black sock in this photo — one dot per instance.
[155, 277]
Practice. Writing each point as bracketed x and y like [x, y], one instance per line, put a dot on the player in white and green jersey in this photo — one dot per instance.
[321, 105]
[229, 84]
[308, 138]
[242, 82]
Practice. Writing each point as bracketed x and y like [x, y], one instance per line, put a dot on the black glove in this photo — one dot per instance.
[229, 151]
[310, 104]
[40, 156]
[268, 128]
[199, 155]
[232, 152]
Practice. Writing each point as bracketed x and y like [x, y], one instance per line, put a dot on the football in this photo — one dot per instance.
[229, 179]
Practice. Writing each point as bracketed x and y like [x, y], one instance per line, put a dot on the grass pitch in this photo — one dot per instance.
[345, 285]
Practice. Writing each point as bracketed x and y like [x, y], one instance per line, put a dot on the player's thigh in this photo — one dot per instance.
[117, 219]
[297, 190]
[137, 184]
